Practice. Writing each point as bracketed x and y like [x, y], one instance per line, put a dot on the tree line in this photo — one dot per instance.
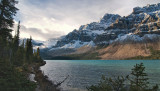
[15, 57]
[10, 47]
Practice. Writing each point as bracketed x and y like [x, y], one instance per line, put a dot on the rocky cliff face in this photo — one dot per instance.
[141, 26]
[89, 32]
[145, 20]
[147, 9]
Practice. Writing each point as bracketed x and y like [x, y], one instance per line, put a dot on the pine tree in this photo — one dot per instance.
[30, 46]
[16, 38]
[26, 50]
[140, 80]
[38, 51]
[22, 45]
[29, 49]
[8, 11]
[37, 57]
[18, 29]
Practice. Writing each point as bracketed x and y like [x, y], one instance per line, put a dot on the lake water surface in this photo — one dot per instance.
[83, 73]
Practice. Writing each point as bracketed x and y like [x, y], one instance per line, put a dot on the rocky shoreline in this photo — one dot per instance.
[42, 81]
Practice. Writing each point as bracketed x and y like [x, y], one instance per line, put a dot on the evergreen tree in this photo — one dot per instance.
[38, 51]
[13, 70]
[18, 30]
[30, 46]
[29, 49]
[109, 84]
[8, 11]
[38, 57]
[16, 38]
[140, 80]
[26, 50]
[22, 45]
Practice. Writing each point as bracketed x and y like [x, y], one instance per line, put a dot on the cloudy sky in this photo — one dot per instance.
[45, 19]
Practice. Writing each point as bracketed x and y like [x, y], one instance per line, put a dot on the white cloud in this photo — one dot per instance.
[58, 17]
[37, 33]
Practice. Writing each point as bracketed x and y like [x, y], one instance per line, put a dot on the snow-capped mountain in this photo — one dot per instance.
[86, 34]
[142, 25]
[141, 20]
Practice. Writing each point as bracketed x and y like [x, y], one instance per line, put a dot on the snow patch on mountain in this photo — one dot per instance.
[128, 37]
[105, 22]
[136, 38]
[98, 32]
[152, 37]
[94, 33]
[76, 44]
[50, 43]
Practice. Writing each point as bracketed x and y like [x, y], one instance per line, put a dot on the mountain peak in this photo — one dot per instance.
[147, 9]
[112, 27]
[109, 18]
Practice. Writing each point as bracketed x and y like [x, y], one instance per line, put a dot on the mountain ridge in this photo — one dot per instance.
[141, 26]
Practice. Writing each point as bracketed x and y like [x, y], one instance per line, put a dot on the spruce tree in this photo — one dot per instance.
[29, 49]
[22, 45]
[38, 55]
[30, 46]
[38, 51]
[16, 38]
[140, 80]
[26, 50]
[8, 11]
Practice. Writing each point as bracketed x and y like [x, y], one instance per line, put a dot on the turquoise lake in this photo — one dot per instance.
[83, 73]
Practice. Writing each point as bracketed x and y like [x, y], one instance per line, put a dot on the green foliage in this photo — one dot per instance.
[138, 82]
[16, 38]
[37, 56]
[8, 11]
[38, 51]
[13, 80]
[14, 59]
[109, 84]
[29, 49]
[5, 34]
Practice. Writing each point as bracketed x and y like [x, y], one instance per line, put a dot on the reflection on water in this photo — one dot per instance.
[83, 73]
